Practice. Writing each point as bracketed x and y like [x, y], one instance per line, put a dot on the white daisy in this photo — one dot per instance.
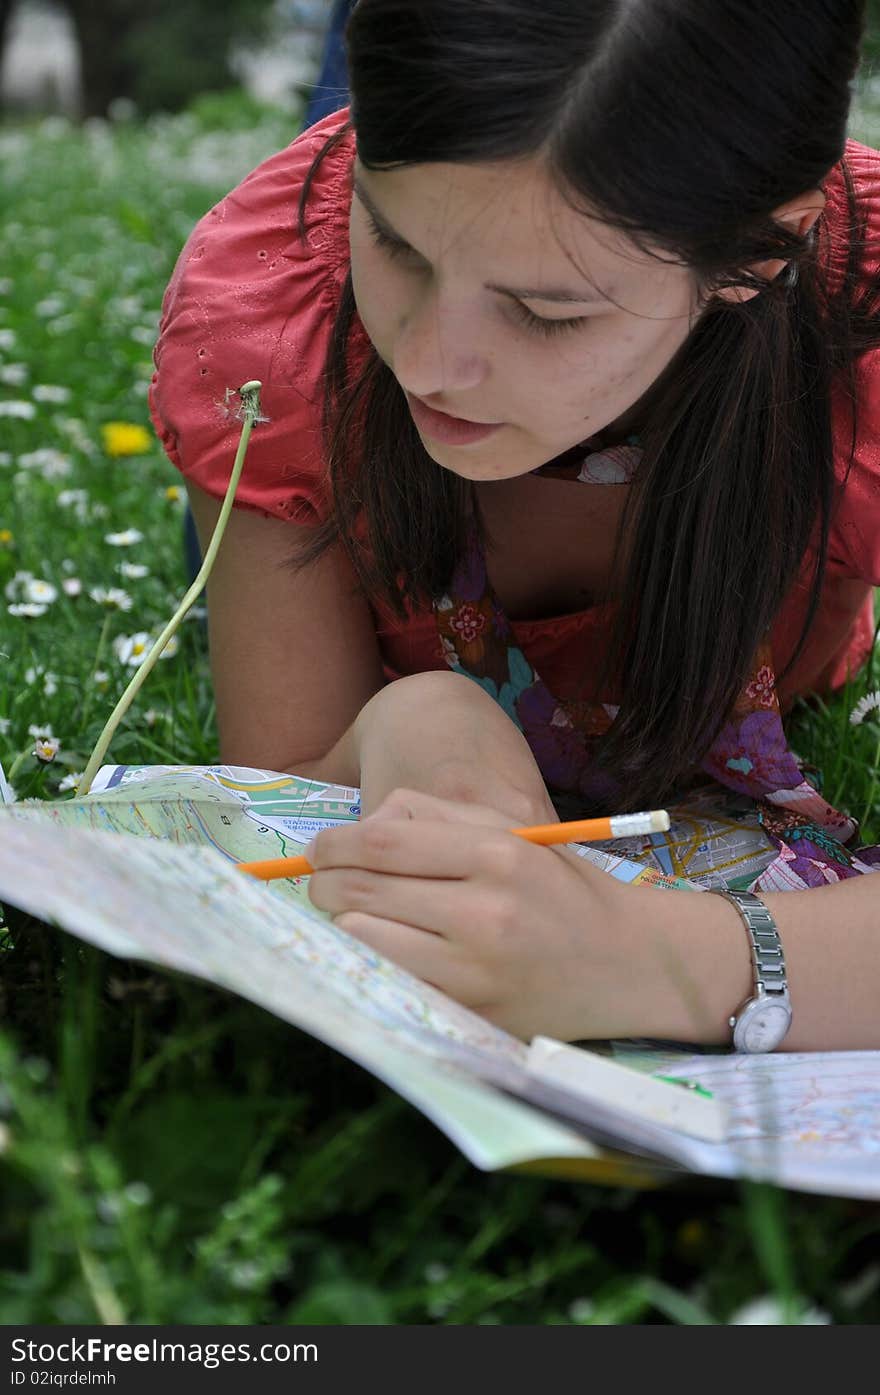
[50, 463]
[14, 374]
[38, 731]
[7, 339]
[26, 609]
[767, 1311]
[13, 588]
[131, 650]
[70, 781]
[52, 305]
[49, 392]
[24, 411]
[133, 571]
[869, 703]
[171, 647]
[39, 592]
[114, 598]
[50, 684]
[101, 677]
[125, 539]
[46, 748]
[76, 499]
[71, 586]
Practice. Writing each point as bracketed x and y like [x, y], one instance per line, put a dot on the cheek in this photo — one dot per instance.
[372, 287]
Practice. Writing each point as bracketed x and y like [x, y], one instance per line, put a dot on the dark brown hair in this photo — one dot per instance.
[685, 123]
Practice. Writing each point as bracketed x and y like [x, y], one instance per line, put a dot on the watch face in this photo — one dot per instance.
[763, 1026]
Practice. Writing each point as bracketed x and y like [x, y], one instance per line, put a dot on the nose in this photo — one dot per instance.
[433, 348]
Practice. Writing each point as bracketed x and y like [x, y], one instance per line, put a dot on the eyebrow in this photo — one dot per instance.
[550, 293]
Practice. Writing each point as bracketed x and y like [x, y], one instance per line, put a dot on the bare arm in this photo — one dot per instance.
[294, 658]
[700, 969]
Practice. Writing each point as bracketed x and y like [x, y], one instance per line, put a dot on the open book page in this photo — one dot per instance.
[166, 891]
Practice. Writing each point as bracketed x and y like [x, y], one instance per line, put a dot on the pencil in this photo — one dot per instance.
[577, 831]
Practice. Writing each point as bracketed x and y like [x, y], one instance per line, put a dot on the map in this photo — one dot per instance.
[143, 867]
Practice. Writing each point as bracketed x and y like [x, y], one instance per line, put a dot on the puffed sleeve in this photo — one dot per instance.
[249, 299]
[854, 541]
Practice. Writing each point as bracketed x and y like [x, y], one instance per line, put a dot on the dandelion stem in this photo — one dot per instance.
[250, 398]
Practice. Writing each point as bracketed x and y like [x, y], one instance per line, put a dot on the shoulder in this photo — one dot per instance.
[854, 541]
[250, 298]
[861, 163]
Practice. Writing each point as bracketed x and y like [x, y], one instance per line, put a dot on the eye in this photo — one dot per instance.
[395, 249]
[546, 327]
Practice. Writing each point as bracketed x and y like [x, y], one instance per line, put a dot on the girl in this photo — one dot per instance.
[569, 486]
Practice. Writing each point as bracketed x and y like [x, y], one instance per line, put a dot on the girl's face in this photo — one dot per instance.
[493, 301]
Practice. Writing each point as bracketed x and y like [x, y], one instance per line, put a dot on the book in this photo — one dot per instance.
[144, 868]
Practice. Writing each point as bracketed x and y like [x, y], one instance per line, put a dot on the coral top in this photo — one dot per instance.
[249, 300]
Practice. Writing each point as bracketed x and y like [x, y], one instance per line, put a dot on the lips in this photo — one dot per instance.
[451, 416]
[441, 426]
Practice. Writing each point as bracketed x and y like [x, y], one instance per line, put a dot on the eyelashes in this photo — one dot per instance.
[396, 250]
[545, 327]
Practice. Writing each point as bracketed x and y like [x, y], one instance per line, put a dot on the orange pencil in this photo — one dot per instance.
[578, 831]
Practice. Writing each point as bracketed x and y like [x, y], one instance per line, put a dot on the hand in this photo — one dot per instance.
[532, 938]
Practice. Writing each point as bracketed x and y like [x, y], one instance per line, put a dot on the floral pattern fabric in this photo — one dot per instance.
[813, 842]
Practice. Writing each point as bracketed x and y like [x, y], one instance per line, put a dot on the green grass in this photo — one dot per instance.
[171, 1154]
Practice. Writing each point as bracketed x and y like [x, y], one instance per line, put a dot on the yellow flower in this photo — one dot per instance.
[6, 538]
[126, 438]
[173, 493]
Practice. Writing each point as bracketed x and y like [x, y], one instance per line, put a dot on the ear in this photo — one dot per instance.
[799, 216]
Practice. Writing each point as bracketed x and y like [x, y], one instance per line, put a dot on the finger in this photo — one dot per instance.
[425, 955]
[453, 909]
[418, 848]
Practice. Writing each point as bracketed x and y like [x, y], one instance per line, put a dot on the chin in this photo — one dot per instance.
[469, 464]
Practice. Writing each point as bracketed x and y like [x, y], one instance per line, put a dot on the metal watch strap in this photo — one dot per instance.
[768, 960]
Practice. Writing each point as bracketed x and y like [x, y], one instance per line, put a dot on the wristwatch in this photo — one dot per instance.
[764, 1019]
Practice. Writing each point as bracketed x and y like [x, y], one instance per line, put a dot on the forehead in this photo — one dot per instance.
[515, 210]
